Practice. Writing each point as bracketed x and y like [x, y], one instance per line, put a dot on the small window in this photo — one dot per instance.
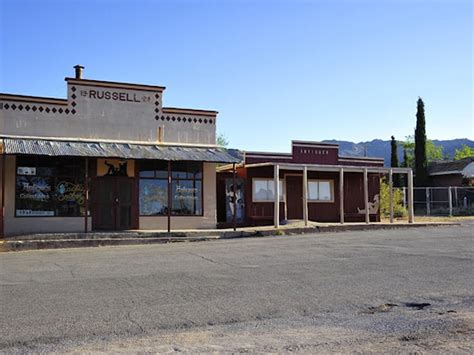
[320, 190]
[263, 190]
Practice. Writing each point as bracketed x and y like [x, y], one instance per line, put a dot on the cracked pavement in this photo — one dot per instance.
[385, 290]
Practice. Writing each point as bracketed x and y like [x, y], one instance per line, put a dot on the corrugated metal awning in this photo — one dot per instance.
[119, 150]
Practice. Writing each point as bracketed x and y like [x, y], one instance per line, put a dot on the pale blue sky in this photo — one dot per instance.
[275, 70]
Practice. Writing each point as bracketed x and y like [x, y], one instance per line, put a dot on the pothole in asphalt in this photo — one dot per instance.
[408, 338]
[416, 305]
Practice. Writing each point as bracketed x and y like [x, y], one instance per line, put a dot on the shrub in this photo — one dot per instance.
[398, 209]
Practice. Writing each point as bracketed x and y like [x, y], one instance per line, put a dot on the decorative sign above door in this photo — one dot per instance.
[115, 167]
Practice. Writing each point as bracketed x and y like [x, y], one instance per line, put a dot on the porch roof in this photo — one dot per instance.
[122, 150]
[322, 167]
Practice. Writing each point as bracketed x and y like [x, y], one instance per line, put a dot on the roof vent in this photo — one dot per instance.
[79, 71]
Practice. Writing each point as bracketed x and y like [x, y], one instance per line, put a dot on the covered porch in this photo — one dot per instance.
[345, 194]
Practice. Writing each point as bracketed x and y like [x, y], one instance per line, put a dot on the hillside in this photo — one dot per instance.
[381, 148]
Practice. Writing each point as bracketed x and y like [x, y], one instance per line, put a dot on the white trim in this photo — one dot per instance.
[361, 158]
[361, 161]
[282, 192]
[331, 187]
[330, 168]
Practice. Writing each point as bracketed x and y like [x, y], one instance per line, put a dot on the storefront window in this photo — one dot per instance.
[263, 190]
[153, 188]
[186, 188]
[153, 197]
[320, 190]
[49, 186]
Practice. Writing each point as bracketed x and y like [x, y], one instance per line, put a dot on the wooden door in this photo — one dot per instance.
[294, 197]
[113, 203]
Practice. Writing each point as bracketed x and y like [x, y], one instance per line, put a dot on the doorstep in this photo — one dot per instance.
[98, 239]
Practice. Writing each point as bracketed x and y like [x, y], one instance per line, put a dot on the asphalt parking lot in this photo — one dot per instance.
[384, 290]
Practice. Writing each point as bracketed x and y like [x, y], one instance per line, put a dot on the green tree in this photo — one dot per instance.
[222, 140]
[421, 161]
[394, 160]
[433, 152]
[464, 152]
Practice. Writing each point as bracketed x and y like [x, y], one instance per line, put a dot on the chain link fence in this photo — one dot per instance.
[442, 201]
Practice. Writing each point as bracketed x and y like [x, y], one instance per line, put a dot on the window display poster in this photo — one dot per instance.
[239, 198]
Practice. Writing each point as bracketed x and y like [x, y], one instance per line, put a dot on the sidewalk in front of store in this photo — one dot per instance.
[135, 237]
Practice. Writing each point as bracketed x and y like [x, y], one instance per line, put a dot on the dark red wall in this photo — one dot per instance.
[317, 211]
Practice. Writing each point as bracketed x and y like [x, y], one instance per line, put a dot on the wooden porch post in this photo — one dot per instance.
[411, 217]
[427, 195]
[305, 195]
[234, 217]
[86, 196]
[450, 201]
[390, 186]
[366, 196]
[170, 200]
[276, 211]
[341, 194]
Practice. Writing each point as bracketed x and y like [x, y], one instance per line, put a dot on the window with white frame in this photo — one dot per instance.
[320, 190]
[263, 190]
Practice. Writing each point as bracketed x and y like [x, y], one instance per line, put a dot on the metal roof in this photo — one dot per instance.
[119, 150]
[449, 167]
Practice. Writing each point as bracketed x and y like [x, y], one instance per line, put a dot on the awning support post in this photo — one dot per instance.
[276, 210]
[366, 196]
[305, 195]
[390, 187]
[2, 226]
[341, 195]
[428, 207]
[234, 216]
[86, 196]
[170, 200]
[450, 200]
[411, 218]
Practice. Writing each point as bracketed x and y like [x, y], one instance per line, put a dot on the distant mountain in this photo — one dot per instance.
[381, 148]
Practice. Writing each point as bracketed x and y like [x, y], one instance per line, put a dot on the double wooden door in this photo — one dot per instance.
[114, 203]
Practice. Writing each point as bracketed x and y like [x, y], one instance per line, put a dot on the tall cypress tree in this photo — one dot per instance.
[394, 161]
[421, 172]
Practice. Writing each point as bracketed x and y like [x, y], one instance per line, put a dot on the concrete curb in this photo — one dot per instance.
[82, 240]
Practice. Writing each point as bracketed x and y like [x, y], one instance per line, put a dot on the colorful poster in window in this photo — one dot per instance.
[153, 197]
[239, 200]
[67, 191]
[34, 188]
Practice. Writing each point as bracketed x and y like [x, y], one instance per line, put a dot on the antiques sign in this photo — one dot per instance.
[114, 96]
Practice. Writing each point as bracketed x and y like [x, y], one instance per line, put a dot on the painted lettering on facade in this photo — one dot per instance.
[314, 151]
[114, 96]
